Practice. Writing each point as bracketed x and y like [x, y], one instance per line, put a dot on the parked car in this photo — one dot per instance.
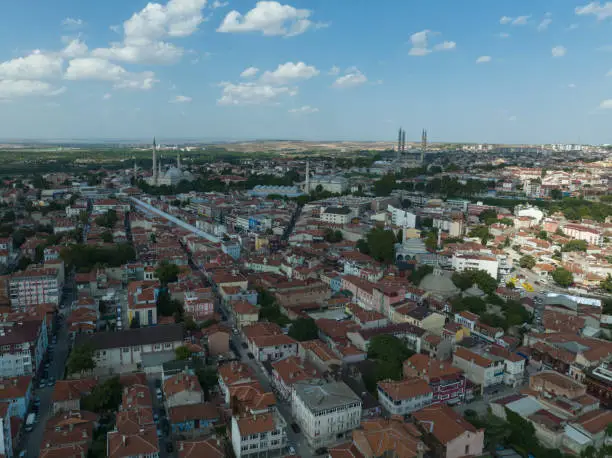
[42, 383]
[51, 381]
[169, 447]
[291, 450]
[244, 345]
[296, 429]
[251, 355]
[321, 451]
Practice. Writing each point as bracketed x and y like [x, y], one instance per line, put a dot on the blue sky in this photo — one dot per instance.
[507, 71]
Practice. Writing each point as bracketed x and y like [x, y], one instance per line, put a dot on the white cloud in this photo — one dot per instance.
[22, 88]
[483, 59]
[270, 18]
[144, 32]
[572, 27]
[420, 44]
[571, 85]
[97, 69]
[504, 35]
[519, 20]
[107, 96]
[595, 8]
[445, 46]
[249, 72]
[250, 93]
[543, 25]
[74, 23]
[512, 118]
[558, 51]
[606, 104]
[181, 99]
[75, 48]
[335, 70]
[352, 77]
[36, 66]
[288, 73]
[306, 109]
[218, 4]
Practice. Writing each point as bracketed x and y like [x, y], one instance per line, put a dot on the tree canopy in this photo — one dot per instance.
[167, 272]
[81, 359]
[104, 397]
[527, 262]
[381, 244]
[108, 219]
[563, 277]
[464, 280]
[85, 257]
[166, 306]
[304, 329]
[575, 245]
[182, 353]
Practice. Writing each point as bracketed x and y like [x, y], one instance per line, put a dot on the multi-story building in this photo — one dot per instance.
[478, 369]
[402, 218]
[599, 383]
[404, 396]
[580, 232]
[17, 392]
[122, 351]
[474, 261]
[199, 305]
[34, 286]
[326, 412]
[259, 434]
[6, 437]
[446, 381]
[336, 215]
[331, 183]
[22, 347]
[142, 304]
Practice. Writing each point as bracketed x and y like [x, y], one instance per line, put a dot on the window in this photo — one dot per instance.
[126, 349]
[467, 449]
[167, 345]
[252, 446]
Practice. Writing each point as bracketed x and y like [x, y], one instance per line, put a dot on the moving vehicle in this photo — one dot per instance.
[30, 421]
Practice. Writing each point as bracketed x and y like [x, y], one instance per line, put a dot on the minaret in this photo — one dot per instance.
[135, 169]
[403, 141]
[159, 171]
[399, 143]
[154, 163]
[423, 145]
[307, 184]
[178, 161]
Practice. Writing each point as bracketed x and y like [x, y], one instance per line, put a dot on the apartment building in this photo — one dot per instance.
[326, 412]
[17, 393]
[473, 261]
[478, 369]
[142, 303]
[446, 381]
[6, 436]
[22, 347]
[123, 351]
[404, 396]
[261, 434]
[34, 286]
[588, 234]
[402, 218]
[336, 215]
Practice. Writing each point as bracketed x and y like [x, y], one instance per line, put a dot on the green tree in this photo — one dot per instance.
[482, 233]
[332, 236]
[362, 246]
[23, 263]
[527, 262]
[419, 273]
[108, 219]
[488, 217]
[563, 277]
[81, 359]
[107, 237]
[104, 397]
[167, 272]
[208, 378]
[462, 280]
[556, 194]
[381, 244]
[182, 353]
[606, 284]
[304, 329]
[388, 348]
[575, 245]
[166, 306]
[385, 185]
[543, 235]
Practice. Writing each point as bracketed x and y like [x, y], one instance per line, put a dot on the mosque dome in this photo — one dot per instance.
[174, 173]
[439, 283]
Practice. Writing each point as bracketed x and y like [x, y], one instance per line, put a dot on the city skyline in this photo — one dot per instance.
[509, 73]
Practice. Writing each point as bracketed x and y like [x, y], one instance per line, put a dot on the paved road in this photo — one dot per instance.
[32, 441]
[157, 406]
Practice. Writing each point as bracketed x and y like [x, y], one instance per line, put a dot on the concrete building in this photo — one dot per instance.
[6, 436]
[478, 369]
[405, 396]
[402, 218]
[123, 351]
[326, 412]
[34, 286]
[258, 434]
[22, 347]
[473, 261]
[336, 215]
[331, 183]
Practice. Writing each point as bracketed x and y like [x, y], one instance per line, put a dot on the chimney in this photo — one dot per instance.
[181, 446]
[124, 440]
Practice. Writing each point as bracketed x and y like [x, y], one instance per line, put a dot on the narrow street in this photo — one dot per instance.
[32, 442]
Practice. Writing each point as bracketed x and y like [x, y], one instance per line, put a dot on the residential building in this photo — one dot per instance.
[143, 444]
[22, 347]
[17, 393]
[268, 343]
[256, 434]
[599, 383]
[34, 286]
[67, 394]
[199, 304]
[336, 215]
[209, 448]
[588, 430]
[142, 303]
[6, 436]
[245, 313]
[193, 420]
[123, 351]
[381, 437]
[326, 412]
[446, 381]
[478, 369]
[448, 434]
[289, 371]
[474, 261]
[580, 232]
[404, 396]
[402, 218]
[182, 389]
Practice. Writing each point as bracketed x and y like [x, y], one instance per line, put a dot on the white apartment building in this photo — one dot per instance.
[22, 346]
[336, 215]
[402, 218]
[326, 412]
[34, 286]
[6, 439]
[122, 351]
[473, 261]
[580, 232]
[478, 369]
[331, 183]
[404, 396]
[262, 434]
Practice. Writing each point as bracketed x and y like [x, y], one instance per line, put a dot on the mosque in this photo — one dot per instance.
[172, 176]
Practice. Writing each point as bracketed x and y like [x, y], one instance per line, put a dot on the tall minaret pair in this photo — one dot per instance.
[155, 171]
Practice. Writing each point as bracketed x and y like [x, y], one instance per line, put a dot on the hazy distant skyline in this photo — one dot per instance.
[510, 71]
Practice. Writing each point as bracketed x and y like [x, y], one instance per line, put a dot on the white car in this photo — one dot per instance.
[291, 450]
